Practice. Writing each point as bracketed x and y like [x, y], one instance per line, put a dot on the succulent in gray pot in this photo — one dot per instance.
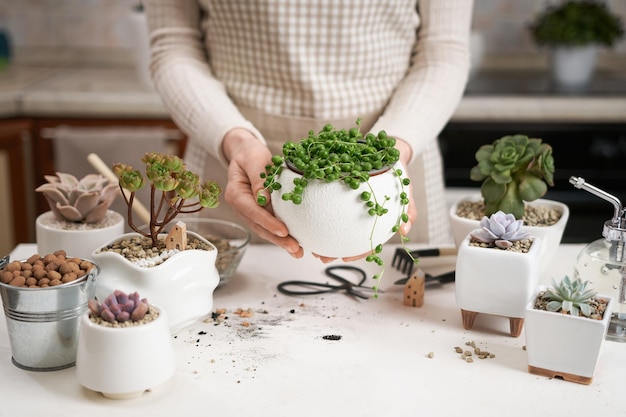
[124, 332]
[79, 219]
[573, 31]
[570, 313]
[515, 172]
[497, 270]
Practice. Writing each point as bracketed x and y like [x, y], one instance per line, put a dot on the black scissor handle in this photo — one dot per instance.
[302, 285]
[330, 272]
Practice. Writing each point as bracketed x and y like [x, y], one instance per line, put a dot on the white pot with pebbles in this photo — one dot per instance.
[124, 347]
[497, 271]
[180, 281]
[544, 219]
[79, 219]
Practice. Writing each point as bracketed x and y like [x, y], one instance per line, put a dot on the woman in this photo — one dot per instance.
[241, 77]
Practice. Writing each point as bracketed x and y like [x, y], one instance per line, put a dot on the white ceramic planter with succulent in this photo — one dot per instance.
[176, 271]
[122, 357]
[563, 345]
[491, 277]
[515, 172]
[340, 193]
[550, 236]
[79, 219]
[182, 283]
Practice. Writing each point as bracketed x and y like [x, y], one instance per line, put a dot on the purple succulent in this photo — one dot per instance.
[501, 229]
[120, 307]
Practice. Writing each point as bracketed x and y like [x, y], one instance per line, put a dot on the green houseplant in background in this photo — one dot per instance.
[573, 31]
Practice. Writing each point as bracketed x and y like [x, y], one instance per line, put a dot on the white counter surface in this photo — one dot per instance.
[281, 365]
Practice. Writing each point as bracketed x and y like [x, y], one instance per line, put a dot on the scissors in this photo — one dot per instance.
[310, 288]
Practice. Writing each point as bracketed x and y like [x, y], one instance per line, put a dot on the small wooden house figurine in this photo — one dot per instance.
[414, 289]
[177, 237]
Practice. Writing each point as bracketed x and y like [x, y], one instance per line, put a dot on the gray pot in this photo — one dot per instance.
[43, 323]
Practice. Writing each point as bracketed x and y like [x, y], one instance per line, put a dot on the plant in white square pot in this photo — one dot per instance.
[124, 346]
[565, 329]
[497, 270]
[515, 172]
[79, 219]
[176, 270]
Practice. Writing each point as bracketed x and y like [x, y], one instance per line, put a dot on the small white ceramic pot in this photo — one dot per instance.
[78, 240]
[332, 220]
[124, 362]
[183, 285]
[495, 281]
[561, 345]
[573, 67]
[550, 235]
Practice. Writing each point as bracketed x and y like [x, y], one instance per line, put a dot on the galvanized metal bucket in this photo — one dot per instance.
[43, 323]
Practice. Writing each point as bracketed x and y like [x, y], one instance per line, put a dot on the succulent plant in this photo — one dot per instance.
[513, 169]
[120, 307]
[85, 201]
[501, 229]
[174, 190]
[570, 297]
[343, 155]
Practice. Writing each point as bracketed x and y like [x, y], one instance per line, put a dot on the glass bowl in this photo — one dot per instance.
[230, 239]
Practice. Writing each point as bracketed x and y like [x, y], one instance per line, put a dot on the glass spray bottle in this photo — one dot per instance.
[603, 262]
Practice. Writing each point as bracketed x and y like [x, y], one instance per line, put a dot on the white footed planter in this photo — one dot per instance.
[495, 281]
[332, 220]
[561, 345]
[550, 235]
[183, 285]
[124, 362]
[76, 239]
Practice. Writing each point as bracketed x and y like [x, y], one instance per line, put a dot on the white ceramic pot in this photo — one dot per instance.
[77, 239]
[495, 281]
[572, 67]
[550, 235]
[183, 285]
[332, 220]
[123, 362]
[561, 345]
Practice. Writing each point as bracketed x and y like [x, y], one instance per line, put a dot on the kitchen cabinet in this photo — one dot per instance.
[15, 149]
[44, 150]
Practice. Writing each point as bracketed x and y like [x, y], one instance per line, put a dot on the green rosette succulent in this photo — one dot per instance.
[514, 169]
[174, 190]
[570, 296]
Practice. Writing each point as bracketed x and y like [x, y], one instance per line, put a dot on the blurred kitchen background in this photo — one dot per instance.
[76, 68]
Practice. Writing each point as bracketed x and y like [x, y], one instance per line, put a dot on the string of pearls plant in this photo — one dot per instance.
[344, 155]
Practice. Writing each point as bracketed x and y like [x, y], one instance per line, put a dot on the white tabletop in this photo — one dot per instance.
[281, 364]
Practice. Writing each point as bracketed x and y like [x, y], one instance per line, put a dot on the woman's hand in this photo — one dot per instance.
[247, 158]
